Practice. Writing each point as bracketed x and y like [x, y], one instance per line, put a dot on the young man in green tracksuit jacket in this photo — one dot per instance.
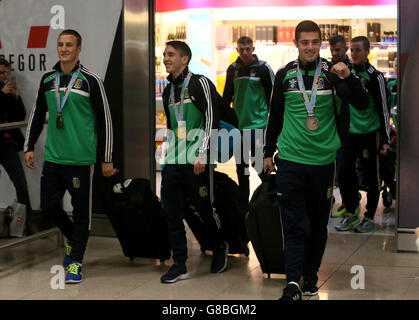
[302, 126]
[249, 85]
[79, 124]
[369, 135]
[192, 111]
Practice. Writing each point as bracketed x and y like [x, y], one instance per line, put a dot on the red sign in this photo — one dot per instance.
[38, 37]
[165, 5]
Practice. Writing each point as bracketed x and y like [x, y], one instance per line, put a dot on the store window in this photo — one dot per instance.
[272, 27]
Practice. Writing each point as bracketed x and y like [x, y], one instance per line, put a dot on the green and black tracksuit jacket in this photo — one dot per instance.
[250, 88]
[201, 111]
[376, 116]
[86, 116]
[286, 128]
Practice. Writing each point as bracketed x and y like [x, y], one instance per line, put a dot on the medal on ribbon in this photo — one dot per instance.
[312, 122]
[59, 121]
[181, 131]
[60, 103]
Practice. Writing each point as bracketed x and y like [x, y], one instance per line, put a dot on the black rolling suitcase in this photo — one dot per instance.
[137, 217]
[264, 227]
[231, 211]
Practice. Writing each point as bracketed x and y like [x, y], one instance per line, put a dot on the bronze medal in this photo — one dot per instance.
[59, 121]
[312, 123]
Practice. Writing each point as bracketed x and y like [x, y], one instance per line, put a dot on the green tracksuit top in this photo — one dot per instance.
[86, 120]
[200, 114]
[287, 119]
[249, 87]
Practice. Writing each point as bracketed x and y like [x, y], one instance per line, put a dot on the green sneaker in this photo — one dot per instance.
[367, 225]
[348, 222]
[340, 212]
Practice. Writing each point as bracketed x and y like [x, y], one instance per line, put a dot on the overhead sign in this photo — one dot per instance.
[166, 6]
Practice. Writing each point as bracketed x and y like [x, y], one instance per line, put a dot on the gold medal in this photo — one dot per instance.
[312, 123]
[181, 130]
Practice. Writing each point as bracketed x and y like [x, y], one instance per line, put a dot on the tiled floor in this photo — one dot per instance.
[25, 271]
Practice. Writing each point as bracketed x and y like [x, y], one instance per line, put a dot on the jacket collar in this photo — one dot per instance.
[180, 78]
[310, 65]
[57, 66]
[362, 67]
[255, 61]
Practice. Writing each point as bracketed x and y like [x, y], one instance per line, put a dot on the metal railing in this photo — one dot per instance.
[39, 235]
[13, 125]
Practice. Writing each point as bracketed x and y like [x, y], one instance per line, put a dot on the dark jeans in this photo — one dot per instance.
[178, 184]
[243, 166]
[9, 159]
[365, 147]
[55, 180]
[305, 198]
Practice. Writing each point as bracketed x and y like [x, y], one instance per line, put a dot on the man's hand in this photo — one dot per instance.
[268, 165]
[107, 169]
[8, 88]
[14, 91]
[384, 149]
[30, 160]
[341, 70]
[199, 166]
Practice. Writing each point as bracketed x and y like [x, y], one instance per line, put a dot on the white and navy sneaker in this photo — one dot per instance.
[174, 274]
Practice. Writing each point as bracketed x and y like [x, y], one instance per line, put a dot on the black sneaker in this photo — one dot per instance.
[219, 258]
[291, 292]
[309, 289]
[174, 274]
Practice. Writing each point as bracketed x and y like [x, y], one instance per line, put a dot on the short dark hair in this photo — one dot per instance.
[182, 47]
[307, 26]
[72, 33]
[4, 62]
[337, 39]
[245, 40]
[364, 40]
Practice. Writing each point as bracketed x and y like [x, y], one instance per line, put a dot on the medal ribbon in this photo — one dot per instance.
[60, 104]
[179, 112]
[310, 105]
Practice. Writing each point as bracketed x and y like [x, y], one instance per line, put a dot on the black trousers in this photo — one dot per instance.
[55, 180]
[365, 147]
[305, 198]
[178, 184]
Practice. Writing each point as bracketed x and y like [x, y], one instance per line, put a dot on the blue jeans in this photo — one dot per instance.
[9, 159]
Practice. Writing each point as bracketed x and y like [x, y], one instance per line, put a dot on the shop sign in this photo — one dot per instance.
[165, 6]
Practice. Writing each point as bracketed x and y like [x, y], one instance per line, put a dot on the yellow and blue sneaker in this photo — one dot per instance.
[67, 260]
[74, 273]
